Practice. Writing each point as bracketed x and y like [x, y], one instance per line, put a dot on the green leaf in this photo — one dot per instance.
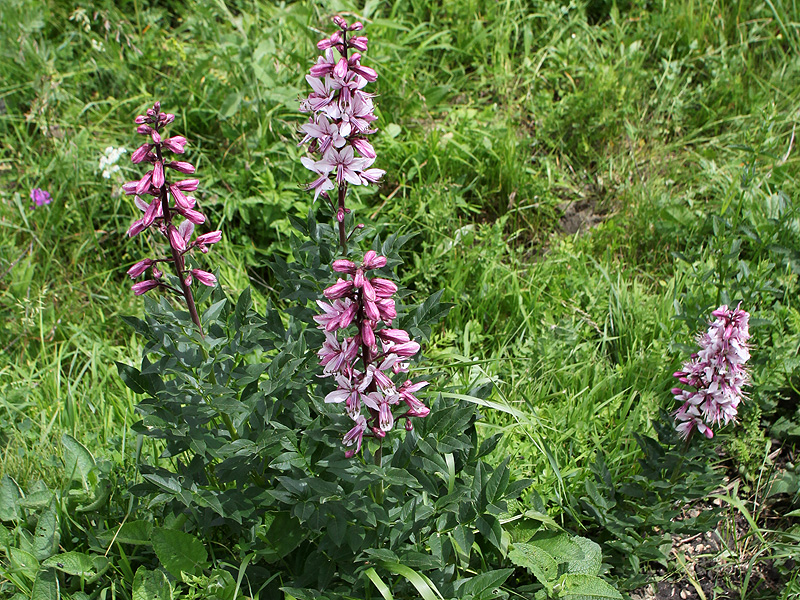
[575, 586]
[485, 582]
[283, 534]
[24, 562]
[78, 563]
[423, 585]
[490, 528]
[46, 586]
[560, 546]
[537, 561]
[132, 378]
[9, 495]
[136, 533]
[592, 557]
[78, 461]
[382, 587]
[213, 311]
[46, 536]
[151, 585]
[179, 552]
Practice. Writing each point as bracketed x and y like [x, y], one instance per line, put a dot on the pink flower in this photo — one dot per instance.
[139, 268]
[145, 286]
[205, 277]
[717, 373]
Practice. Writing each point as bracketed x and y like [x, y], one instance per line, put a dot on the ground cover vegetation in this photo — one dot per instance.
[570, 189]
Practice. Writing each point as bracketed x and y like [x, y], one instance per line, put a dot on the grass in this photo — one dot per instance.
[656, 116]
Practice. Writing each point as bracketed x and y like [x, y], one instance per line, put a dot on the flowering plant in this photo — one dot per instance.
[161, 213]
[716, 372]
[338, 130]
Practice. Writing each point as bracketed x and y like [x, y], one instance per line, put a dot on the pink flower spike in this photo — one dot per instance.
[340, 22]
[205, 277]
[139, 268]
[144, 286]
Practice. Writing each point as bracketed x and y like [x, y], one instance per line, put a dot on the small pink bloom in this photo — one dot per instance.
[139, 268]
[211, 237]
[344, 266]
[181, 166]
[339, 289]
[372, 260]
[176, 239]
[205, 277]
[383, 287]
[145, 286]
[140, 153]
[174, 144]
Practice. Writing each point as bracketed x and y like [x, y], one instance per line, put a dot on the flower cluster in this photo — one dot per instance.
[368, 353]
[341, 114]
[717, 373]
[39, 197]
[159, 211]
[108, 162]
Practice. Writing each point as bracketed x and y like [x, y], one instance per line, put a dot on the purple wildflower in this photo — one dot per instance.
[353, 322]
[716, 373]
[40, 197]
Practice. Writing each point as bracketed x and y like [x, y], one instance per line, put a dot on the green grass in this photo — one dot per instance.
[495, 115]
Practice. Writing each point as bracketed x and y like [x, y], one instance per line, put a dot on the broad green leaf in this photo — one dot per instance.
[179, 552]
[560, 546]
[46, 586]
[24, 562]
[77, 563]
[536, 560]
[592, 557]
[485, 584]
[46, 536]
[78, 461]
[10, 494]
[283, 534]
[575, 586]
[151, 585]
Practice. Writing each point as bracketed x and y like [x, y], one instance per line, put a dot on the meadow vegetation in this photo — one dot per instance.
[585, 181]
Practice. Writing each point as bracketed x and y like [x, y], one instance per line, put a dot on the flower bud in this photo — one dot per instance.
[139, 268]
[340, 289]
[205, 277]
[144, 286]
[211, 237]
[182, 166]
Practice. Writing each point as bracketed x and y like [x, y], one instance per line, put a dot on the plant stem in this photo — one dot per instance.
[177, 258]
[342, 232]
